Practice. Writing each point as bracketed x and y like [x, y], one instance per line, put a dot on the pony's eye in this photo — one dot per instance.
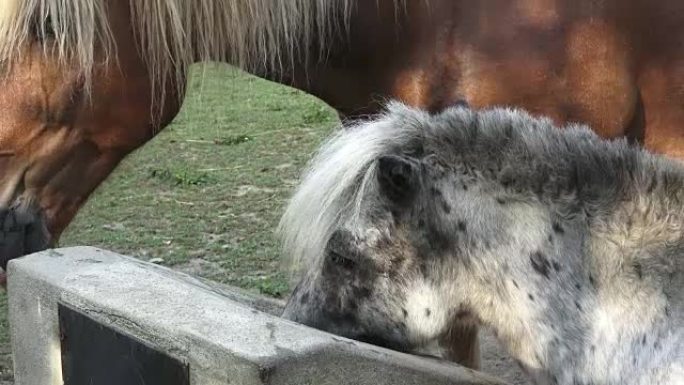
[341, 260]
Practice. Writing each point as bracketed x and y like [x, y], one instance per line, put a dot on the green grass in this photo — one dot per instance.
[205, 195]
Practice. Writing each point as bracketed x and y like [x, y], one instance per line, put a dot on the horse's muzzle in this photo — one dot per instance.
[22, 231]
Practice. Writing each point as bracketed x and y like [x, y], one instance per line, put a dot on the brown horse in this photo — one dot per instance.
[85, 82]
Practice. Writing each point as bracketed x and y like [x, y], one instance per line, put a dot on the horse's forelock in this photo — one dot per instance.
[81, 28]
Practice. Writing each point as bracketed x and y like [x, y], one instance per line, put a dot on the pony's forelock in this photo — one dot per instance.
[341, 173]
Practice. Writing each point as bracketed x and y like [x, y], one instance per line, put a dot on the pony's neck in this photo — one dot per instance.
[541, 293]
[525, 288]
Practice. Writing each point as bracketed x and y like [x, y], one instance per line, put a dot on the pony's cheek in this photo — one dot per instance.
[425, 314]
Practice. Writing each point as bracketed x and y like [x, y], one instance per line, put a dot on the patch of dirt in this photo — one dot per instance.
[199, 267]
[6, 372]
[249, 189]
[497, 363]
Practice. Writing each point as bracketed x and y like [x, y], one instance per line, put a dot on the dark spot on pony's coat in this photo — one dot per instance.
[638, 271]
[421, 223]
[558, 228]
[461, 314]
[578, 286]
[550, 238]
[530, 296]
[427, 312]
[445, 206]
[304, 298]
[436, 239]
[464, 186]
[516, 284]
[556, 265]
[364, 292]
[592, 349]
[506, 180]
[540, 264]
[404, 312]
[643, 340]
[436, 192]
[591, 281]
[578, 306]
[462, 226]
[501, 201]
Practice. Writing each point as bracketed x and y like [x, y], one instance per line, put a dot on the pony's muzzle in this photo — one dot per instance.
[22, 231]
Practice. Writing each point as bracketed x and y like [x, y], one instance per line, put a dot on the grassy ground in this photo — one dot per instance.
[205, 195]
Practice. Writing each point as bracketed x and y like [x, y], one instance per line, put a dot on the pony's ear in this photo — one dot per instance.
[398, 178]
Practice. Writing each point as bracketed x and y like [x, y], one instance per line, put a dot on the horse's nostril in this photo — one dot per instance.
[22, 232]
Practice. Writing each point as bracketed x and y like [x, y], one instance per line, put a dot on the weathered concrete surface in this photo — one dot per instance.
[223, 341]
[495, 361]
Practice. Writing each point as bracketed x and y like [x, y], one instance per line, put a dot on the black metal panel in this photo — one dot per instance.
[93, 354]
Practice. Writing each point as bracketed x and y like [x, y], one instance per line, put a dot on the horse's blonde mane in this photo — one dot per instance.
[172, 34]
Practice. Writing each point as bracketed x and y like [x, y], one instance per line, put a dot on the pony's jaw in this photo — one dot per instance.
[427, 313]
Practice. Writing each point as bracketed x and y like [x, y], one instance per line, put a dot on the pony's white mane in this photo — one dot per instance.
[337, 178]
[342, 173]
[172, 34]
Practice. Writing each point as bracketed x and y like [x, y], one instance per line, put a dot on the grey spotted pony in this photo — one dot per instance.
[568, 247]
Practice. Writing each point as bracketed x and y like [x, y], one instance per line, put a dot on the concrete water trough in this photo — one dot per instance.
[88, 316]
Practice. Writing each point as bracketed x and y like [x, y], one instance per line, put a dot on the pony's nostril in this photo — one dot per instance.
[379, 341]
